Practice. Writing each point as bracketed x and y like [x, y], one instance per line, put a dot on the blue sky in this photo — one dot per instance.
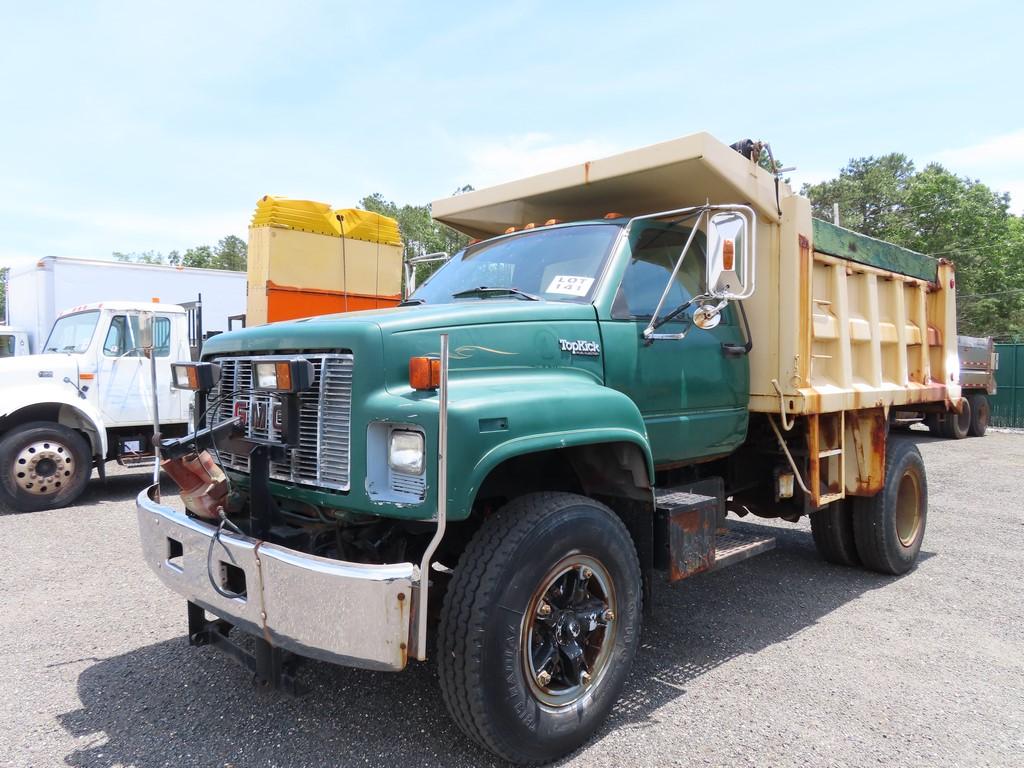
[152, 126]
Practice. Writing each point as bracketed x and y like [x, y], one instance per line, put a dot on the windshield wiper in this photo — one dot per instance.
[412, 301]
[485, 290]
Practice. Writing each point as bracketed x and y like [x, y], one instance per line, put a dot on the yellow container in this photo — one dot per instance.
[306, 258]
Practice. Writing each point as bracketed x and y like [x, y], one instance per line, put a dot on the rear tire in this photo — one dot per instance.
[980, 411]
[889, 526]
[511, 626]
[955, 425]
[832, 529]
[43, 466]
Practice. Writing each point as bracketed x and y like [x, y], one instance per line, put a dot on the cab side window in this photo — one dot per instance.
[161, 336]
[123, 336]
[117, 343]
[655, 251]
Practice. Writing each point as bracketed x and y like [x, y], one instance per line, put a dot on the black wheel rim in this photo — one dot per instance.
[568, 631]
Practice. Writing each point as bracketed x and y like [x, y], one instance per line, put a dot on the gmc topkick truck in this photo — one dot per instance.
[496, 471]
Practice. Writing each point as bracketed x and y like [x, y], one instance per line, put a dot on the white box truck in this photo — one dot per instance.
[38, 291]
[86, 397]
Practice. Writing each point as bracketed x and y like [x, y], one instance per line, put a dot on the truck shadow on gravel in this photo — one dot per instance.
[117, 488]
[168, 704]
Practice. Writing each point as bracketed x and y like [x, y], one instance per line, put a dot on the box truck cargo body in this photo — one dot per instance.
[38, 292]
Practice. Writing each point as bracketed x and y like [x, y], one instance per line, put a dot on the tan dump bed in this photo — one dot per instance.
[864, 325]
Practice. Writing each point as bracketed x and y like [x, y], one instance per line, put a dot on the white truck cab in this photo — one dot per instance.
[13, 341]
[86, 399]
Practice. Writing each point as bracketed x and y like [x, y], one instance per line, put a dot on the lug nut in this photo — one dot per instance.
[585, 678]
[543, 678]
[608, 615]
[544, 609]
[586, 573]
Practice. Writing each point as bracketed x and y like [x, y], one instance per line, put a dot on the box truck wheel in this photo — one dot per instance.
[540, 625]
[956, 425]
[889, 526]
[42, 466]
[979, 414]
[832, 529]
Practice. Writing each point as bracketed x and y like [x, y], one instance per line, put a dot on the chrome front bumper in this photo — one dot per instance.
[347, 613]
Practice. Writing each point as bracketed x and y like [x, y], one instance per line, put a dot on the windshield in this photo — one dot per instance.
[555, 264]
[72, 333]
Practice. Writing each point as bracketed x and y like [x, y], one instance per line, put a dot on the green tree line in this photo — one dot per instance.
[230, 253]
[934, 211]
[3, 293]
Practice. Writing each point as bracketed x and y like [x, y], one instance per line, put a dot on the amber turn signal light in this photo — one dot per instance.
[728, 255]
[424, 373]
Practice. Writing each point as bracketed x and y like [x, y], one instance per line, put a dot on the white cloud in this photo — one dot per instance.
[997, 162]
[514, 157]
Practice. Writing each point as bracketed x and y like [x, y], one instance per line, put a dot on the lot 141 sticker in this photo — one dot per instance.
[570, 285]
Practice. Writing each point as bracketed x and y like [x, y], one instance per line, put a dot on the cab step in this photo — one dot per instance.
[733, 545]
[692, 536]
[134, 462]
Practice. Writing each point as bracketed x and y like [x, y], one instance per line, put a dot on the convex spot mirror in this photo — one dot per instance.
[707, 317]
[730, 256]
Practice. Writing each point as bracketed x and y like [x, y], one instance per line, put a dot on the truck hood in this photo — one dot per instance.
[483, 334]
[34, 370]
[326, 331]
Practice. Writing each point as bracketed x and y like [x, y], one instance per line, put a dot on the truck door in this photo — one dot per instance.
[692, 396]
[123, 377]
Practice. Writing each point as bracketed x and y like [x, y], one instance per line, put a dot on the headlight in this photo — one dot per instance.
[405, 452]
[288, 374]
[195, 376]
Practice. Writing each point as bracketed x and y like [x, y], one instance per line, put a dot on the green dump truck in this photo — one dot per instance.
[632, 352]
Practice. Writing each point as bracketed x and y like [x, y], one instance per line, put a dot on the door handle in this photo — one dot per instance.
[735, 350]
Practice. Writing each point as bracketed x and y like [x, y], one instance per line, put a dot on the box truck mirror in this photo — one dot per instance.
[145, 340]
[730, 255]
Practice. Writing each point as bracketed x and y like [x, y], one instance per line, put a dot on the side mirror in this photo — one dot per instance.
[731, 255]
[145, 340]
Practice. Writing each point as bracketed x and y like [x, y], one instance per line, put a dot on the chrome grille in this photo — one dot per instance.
[322, 456]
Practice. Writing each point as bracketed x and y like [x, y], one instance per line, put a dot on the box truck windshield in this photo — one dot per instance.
[72, 333]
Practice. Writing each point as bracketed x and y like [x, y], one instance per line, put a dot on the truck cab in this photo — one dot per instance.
[85, 399]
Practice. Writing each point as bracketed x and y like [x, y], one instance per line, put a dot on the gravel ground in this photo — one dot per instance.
[781, 660]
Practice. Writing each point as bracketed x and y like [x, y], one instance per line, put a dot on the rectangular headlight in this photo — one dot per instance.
[195, 376]
[405, 452]
[283, 374]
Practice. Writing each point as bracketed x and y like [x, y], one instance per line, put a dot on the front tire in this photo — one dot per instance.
[42, 466]
[889, 526]
[540, 626]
